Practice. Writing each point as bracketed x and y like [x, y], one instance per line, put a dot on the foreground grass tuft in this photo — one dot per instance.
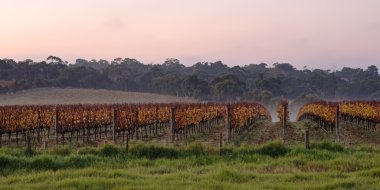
[154, 152]
[328, 146]
[274, 149]
[110, 151]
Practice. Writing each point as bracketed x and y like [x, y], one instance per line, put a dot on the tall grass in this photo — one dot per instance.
[194, 166]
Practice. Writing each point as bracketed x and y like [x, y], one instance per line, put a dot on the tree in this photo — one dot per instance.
[227, 89]
[260, 81]
[188, 85]
[373, 71]
[54, 59]
[193, 87]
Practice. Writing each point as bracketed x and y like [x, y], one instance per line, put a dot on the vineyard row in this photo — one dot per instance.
[328, 114]
[121, 121]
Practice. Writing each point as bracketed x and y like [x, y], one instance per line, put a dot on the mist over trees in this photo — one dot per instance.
[205, 81]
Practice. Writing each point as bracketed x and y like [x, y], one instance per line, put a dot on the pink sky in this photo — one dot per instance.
[315, 33]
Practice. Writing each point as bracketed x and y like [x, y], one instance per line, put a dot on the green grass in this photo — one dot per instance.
[195, 166]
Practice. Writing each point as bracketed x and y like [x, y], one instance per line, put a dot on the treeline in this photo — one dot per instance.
[204, 81]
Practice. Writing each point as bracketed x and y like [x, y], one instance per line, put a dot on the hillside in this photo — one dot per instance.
[83, 96]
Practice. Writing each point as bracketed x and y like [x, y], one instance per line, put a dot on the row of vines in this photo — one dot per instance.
[118, 122]
[328, 114]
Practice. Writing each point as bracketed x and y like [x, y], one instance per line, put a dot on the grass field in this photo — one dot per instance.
[83, 96]
[194, 166]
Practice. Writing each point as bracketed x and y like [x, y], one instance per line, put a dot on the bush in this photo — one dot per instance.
[12, 162]
[109, 151]
[274, 149]
[153, 152]
[44, 162]
[6, 162]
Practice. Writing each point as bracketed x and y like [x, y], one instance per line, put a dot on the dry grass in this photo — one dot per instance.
[83, 96]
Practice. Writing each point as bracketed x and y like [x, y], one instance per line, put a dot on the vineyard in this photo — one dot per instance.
[121, 122]
[94, 123]
[153, 145]
[328, 114]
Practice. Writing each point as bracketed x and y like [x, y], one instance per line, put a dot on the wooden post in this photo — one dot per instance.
[85, 126]
[337, 130]
[123, 135]
[48, 132]
[45, 145]
[88, 132]
[56, 125]
[29, 147]
[63, 137]
[172, 123]
[156, 121]
[307, 143]
[228, 122]
[220, 143]
[17, 135]
[284, 124]
[127, 144]
[137, 123]
[39, 127]
[114, 114]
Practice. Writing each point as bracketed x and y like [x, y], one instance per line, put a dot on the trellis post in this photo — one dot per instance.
[228, 122]
[56, 125]
[114, 115]
[137, 123]
[307, 139]
[337, 129]
[172, 123]
[284, 119]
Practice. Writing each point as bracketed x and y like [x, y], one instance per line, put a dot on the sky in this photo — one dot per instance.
[311, 33]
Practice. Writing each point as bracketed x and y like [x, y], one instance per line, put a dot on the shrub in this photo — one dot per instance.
[12, 162]
[153, 152]
[4, 160]
[109, 151]
[44, 162]
[274, 149]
